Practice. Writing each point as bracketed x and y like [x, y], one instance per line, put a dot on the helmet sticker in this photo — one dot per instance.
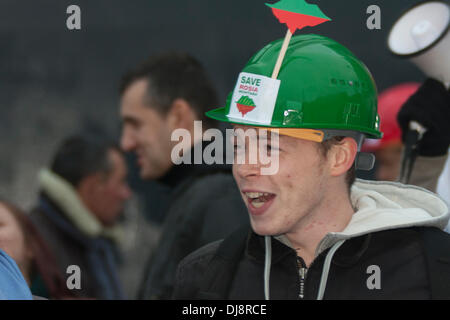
[245, 105]
[254, 98]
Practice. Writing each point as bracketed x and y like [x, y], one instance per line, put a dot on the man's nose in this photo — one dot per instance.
[247, 162]
[127, 140]
[247, 170]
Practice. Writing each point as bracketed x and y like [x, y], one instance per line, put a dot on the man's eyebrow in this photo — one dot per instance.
[130, 120]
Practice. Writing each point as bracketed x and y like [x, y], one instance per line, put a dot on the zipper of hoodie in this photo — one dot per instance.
[302, 271]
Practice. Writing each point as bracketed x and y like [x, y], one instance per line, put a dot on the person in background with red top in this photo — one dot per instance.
[388, 150]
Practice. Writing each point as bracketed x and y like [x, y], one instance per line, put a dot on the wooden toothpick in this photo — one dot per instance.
[280, 59]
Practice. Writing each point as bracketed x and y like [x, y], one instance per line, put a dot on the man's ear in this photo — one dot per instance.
[342, 156]
[181, 115]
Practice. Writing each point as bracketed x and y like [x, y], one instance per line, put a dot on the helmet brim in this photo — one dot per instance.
[299, 133]
[307, 132]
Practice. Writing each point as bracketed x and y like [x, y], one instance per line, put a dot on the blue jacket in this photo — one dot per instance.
[12, 284]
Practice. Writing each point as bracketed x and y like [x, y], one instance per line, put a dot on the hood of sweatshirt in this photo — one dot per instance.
[381, 205]
[378, 206]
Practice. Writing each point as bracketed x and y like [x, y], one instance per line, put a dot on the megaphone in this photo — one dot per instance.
[421, 34]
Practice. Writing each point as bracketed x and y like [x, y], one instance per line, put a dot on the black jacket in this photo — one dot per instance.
[391, 249]
[205, 205]
[414, 263]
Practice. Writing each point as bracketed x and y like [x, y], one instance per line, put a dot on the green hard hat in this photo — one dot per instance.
[322, 85]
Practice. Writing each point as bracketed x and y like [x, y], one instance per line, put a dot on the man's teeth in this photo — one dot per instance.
[257, 204]
[258, 199]
[254, 195]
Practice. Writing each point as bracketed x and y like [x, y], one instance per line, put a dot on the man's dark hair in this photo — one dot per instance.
[171, 76]
[325, 146]
[80, 155]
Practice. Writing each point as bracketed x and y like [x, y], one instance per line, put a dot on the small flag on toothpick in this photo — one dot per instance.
[296, 14]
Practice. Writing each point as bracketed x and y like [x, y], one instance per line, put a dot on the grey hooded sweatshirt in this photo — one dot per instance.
[383, 253]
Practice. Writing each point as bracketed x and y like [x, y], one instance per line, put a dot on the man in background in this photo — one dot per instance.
[168, 92]
[82, 196]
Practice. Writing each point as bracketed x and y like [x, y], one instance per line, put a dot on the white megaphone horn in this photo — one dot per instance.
[422, 35]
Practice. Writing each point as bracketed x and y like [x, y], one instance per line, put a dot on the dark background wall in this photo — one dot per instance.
[54, 81]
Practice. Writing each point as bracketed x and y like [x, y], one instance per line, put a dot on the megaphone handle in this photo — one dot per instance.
[409, 155]
[413, 136]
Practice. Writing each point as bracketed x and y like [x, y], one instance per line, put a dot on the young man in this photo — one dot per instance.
[315, 233]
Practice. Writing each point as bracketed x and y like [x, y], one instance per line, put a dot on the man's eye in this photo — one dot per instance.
[238, 149]
[131, 123]
[136, 125]
[272, 148]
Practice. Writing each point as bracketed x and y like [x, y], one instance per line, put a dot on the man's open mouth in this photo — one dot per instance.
[258, 199]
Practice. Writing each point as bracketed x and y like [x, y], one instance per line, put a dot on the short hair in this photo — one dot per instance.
[172, 76]
[81, 155]
[325, 146]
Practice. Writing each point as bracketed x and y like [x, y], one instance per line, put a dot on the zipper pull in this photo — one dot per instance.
[302, 270]
[302, 273]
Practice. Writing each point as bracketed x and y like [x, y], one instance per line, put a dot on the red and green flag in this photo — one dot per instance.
[297, 14]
